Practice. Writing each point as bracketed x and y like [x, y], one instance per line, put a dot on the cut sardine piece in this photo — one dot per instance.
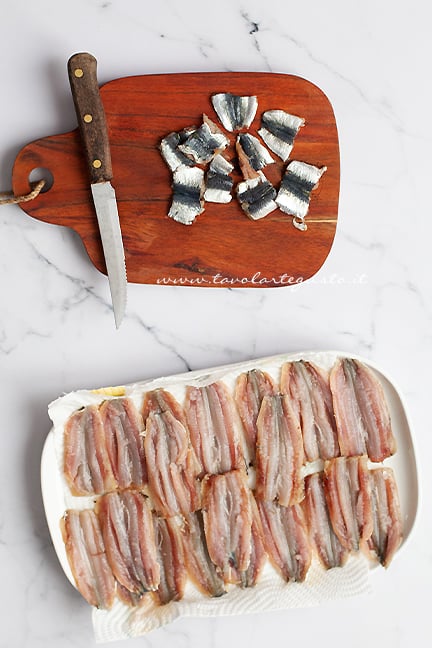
[252, 155]
[169, 148]
[235, 112]
[286, 539]
[308, 388]
[362, 415]
[200, 568]
[124, 430]
[172, 479]
[258, 556]
[127, 527]
[188, 190]
[86, 464]
[256, 196]
[204, 143]
[278, 130]
[327, 545]
[279, 452]
[87, 558]
[251, 387]
[160, 400]
[169, 545]
[387, 531]
[219, 183]
[210, 412]
[295, 189]
[348, 492]
[227, 522]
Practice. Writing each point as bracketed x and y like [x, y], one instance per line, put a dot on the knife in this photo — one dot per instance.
[94, 133]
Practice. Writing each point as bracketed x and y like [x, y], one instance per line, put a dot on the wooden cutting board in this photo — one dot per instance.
[222, 247]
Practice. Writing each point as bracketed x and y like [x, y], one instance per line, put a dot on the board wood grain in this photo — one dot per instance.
[222, 247]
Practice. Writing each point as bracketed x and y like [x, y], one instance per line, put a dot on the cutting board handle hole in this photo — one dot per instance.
[41, 173]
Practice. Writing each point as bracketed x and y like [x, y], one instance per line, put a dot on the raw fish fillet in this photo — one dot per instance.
[279, 455]
[252, 155]
[85, 551]
[86, 463]
[188, 191]
[348, 492]
[160, 400]
[124, 433]
[327, 545]
[362, 416]
[256, 196]
[278, 130]
[387, 519]
[286, 539]
[200, 568]
[169, 545]
[204, 143]
[299, 180]
[310, 396]
[219, 182]
[251, 387]
[127, 527]
[210, 415]
[235, 112]
[227, 522]
[172, 478]
[258, 556]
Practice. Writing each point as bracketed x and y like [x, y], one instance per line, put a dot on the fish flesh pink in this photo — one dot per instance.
[124, 434]
[286, 539]
[200, 568]
[188, 191]
[327, 545]
[86, 465]
[387, 533]
[235, 112]
[210, 412]
[127, 528]
[279, 455]
[227, 522]
[252, 155]
[293, 197]
[219, 182]
[160, 400]
[348, 493]
[256, 196]
[362, 416]
[169, 545]
[278, 130]
[87, 558]
[172, 479]
[204, 143]
[258, 556]
[310, 396]
[251, 387]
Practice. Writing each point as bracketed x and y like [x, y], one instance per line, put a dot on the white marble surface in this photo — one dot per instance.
[371, 297]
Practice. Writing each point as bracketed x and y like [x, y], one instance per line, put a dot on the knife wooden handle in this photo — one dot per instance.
[91, 115]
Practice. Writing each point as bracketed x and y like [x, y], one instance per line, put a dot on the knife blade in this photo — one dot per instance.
[82, 70]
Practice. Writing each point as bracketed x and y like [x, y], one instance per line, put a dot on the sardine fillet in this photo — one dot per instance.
[124, 428]
[172, 478]
[128, 532]
[85, 551]
[86, 464]
[210, 416]
[327, 545]
[169, 544]
[361, 412]
[200, 568]
[310, 396]
[279, 457]
[251, 387]
[387, 531]
[227, 522]
[348, 493]
[286, 539]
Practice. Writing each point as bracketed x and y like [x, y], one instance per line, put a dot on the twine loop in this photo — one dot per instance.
[8, 198]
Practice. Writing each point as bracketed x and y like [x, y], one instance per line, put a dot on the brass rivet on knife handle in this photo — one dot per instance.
[82, 69]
